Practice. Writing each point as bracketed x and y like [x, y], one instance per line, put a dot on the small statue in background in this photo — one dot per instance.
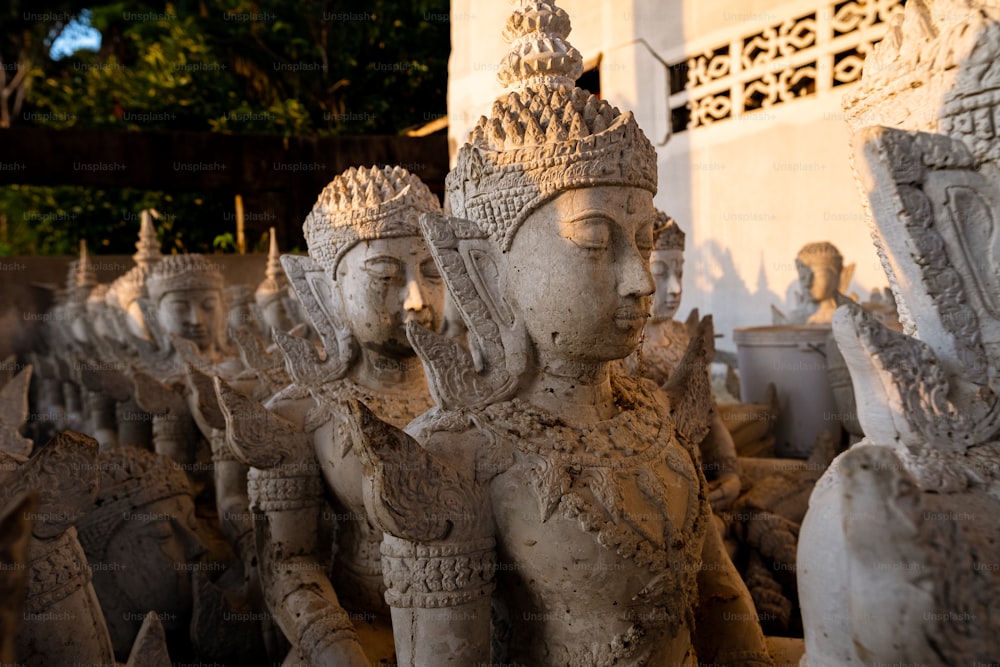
[664, 343]
[822, 279]
[273, 296]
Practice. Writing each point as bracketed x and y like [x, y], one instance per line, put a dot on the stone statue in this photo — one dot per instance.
[242, 308]
[273, 295]
[822, 280]
[142, 540]
[187, 294]
[368, 275]
[898, 549]
[185, 314]
[64, 476]
[544, 486]
[665, 340]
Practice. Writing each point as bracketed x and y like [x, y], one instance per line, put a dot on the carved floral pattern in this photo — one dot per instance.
[779, 62]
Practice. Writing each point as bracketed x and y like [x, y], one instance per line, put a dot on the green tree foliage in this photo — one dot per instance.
[237, 66]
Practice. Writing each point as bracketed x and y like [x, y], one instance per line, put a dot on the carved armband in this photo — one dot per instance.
[439, 575]
[58, 568]
[278, 489]
[221, 451]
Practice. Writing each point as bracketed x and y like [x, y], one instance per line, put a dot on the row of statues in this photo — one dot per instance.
[543, 506]
[476, 434]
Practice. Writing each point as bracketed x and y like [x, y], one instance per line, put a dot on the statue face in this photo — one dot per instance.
[194, 314]
[667, 267]
[577, 273]
[385, 283]
[275, 314]
[154, 546]
[820, 281]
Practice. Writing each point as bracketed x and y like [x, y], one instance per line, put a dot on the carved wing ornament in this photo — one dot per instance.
[257, 436]
[304, 363]
[410, 492]
[65, 475]
[488, 372]
[156, 397]
[316, 293]
[204, 398]
[689, 388]
[252, 351]
[934, 209]
[900, 382]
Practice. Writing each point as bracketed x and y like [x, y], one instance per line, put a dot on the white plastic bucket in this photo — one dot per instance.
[794, 359]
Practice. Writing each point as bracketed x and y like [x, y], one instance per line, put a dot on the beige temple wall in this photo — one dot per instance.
[750, 191]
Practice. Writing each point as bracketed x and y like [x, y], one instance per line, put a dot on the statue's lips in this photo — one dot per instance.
[628, 318]
[196, 334]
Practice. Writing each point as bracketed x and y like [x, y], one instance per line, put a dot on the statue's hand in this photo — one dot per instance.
[412, 493]
[342, 653]
[724, 490]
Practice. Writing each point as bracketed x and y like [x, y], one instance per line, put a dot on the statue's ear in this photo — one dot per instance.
[318, 296]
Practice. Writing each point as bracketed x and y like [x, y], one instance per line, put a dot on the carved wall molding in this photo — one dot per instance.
[815, 50]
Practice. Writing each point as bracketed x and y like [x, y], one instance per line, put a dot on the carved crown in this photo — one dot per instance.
[546, 136]
[667, 234]
[183, 272]
[365, 204]
[148, 246]
[275, 281]
[128, 287]
[821, 253]
[540, 56]
[131, 478]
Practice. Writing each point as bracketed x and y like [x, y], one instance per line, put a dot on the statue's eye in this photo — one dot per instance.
[588, 233]
[644, 238]
[429, 271]
[383, 267]
[658, 268]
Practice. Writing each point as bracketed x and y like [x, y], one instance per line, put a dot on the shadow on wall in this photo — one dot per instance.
[715, 272]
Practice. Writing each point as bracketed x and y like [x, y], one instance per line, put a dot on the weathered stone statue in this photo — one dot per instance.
[273, 295]
[368, 274]
[664, 344]
[822, 279]
[142, 540]
[186, 315]
[64, 476]
[898, 550]
[543, 486]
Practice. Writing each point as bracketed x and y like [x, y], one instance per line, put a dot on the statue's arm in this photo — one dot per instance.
[288, 501]
[728, 630]
[438, 549]
[718, 455]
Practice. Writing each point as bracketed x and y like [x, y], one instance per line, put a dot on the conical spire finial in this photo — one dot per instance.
[85, 276]
[539, 55]
[273, 271]
[148, 246]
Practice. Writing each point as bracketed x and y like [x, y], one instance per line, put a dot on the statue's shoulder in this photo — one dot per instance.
[469, 439]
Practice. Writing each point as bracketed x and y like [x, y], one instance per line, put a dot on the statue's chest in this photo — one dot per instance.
[630, 510]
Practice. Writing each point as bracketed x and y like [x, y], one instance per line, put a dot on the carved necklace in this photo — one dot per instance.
[587, 472]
